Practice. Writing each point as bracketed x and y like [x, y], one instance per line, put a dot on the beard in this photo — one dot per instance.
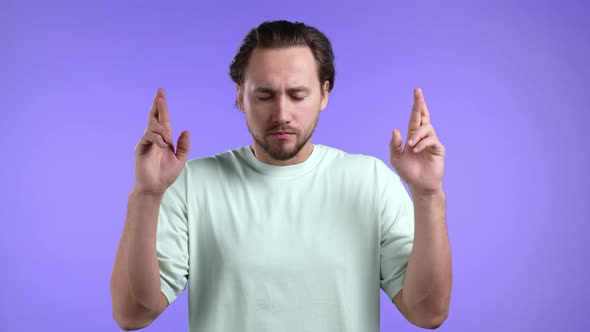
[279, 150]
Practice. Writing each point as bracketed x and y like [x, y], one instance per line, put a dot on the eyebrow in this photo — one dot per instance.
[272, 91]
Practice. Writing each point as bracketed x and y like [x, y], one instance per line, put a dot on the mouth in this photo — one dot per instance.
[281, 134]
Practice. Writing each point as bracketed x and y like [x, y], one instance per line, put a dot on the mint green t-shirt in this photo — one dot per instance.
[305, 247]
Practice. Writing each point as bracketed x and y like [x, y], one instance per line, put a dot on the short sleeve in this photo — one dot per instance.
[172, 239]
[397, 230]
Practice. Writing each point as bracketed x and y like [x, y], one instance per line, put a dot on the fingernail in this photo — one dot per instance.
[411, 142]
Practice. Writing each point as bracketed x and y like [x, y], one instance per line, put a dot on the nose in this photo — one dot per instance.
[281, 110]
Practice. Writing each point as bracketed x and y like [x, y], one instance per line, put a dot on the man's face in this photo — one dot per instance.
[282, 98]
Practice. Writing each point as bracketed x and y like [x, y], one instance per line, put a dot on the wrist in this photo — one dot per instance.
[427, 194]
[146, 195]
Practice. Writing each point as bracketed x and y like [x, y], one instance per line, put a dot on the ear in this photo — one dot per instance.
[325, 95]
[239, 98]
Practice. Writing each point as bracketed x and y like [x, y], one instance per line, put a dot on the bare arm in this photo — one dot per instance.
[135, 282]
[425, 298]
[426, 293]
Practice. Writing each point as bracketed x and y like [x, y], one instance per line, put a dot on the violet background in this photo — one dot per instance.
[507, 88]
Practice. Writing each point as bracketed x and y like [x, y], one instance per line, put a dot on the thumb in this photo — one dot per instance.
[395, 145]
[183, 146]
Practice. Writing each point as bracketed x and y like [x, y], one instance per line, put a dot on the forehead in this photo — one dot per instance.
[281, 67]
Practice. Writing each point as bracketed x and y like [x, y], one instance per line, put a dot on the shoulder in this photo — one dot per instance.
[215, 163]
[361, 163]
[335, 154]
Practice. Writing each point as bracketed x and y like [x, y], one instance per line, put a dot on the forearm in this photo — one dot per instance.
[428, 279]
[142, 262]
[126, 311]
[135, 282]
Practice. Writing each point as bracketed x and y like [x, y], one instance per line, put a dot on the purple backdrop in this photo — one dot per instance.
[506, 85]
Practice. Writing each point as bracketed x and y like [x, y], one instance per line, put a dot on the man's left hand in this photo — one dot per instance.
[421, 162]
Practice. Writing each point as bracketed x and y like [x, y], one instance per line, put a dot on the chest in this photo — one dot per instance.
[283, 226]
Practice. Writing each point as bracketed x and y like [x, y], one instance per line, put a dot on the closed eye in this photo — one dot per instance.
[264, 98]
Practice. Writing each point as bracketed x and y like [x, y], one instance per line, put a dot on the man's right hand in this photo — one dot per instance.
[156, 163]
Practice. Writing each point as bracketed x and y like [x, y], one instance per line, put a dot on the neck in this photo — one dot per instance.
[297, 159]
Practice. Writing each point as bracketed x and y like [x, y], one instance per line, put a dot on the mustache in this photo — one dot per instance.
[282, 129]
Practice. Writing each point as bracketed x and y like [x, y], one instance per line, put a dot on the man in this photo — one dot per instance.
[284, 235]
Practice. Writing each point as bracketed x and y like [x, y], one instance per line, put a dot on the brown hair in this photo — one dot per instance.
[278, 34]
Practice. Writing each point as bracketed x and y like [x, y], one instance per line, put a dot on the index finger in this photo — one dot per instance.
[416, 116]
[161, 114]
[424, 110]
[154, 109]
